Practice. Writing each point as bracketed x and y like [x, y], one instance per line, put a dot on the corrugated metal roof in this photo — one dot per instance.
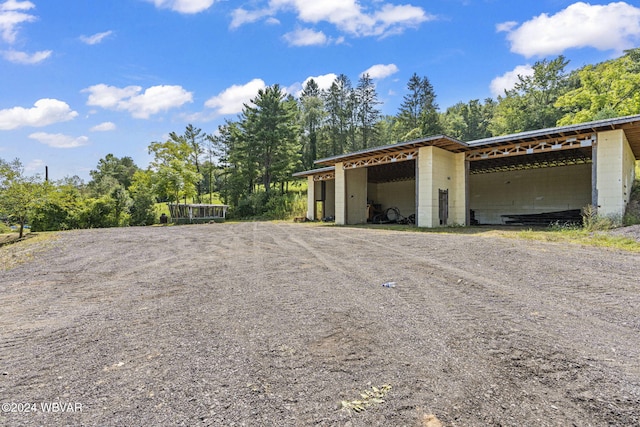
[630, 125]
[314, 171]
[442, 141]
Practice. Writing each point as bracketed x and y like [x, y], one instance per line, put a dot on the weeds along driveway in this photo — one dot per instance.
[278, 323]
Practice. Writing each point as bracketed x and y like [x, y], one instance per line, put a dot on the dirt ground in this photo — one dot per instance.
[275, 324]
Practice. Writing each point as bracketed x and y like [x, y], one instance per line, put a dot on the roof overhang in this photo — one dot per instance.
[441, 141]
[547, 144]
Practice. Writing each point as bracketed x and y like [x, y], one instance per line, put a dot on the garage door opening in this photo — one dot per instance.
[391, 193]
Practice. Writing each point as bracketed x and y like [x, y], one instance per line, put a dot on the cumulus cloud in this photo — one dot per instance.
[12, 14]
[349, 16]
[232, 99]
[183, 6]
[324, 83]
[18, 57]
[34, 165]
[381, 71]
[104, 127]
[615, 26]
[96, 38]
[58, 140]
[509, 79]
[44, 112]
[306, 37]
[140, 104]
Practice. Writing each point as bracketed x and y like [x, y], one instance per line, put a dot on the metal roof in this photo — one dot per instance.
[441, 141]
[314, 171]
[630, 125]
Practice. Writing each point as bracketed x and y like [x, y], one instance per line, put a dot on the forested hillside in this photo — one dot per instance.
[248, 162]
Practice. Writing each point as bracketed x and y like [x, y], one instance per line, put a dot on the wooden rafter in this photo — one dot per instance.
[328, 176]
[533, 147]
[382, 159]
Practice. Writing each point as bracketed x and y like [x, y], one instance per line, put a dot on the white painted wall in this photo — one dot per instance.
[400, 194]
[529, 191]
[616, 172]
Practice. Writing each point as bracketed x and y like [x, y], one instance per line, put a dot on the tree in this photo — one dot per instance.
[606, 90]
[312, 116]
[119, 169]
[418, 114]
[468, 121]
[531, 103]
[141, 191]
[339, 107]
[269, 130]
[175, 175]
[367, 113]
[20, 196]
[195, 138]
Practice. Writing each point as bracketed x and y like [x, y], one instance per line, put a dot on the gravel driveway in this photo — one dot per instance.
[276, 324]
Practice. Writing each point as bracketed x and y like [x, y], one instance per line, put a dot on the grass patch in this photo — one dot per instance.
[23, 251]
[572, 235]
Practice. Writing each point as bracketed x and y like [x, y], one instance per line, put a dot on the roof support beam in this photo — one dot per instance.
[382, 159]
[533, 147]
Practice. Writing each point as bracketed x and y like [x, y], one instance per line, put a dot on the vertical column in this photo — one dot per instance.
[340, 192]
[311, 198]
[614, 173]
[425, 214]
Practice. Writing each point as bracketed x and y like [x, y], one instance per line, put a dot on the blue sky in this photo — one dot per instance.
[84, 78]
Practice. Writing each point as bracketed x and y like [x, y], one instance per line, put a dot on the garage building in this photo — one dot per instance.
[439, 181]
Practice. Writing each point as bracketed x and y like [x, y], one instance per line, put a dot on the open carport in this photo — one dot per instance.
[442, 181]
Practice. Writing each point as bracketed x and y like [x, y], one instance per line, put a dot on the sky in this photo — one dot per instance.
[80, 79]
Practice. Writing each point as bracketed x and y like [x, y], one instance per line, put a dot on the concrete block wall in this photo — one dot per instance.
[439, 169]
[615, 173]
[529, 191]
[400, 194]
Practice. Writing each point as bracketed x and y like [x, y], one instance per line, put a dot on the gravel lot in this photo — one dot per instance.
[275, 324]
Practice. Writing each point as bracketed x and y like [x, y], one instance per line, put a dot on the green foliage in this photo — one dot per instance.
[592, 221]
[110, 171]
[530, 104]
[609, 89]
[20, 195]
[418, 114]
[470, 121]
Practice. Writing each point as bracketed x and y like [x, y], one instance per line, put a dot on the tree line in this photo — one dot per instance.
[248, 162]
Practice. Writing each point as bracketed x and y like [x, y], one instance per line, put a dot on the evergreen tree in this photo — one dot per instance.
[339, 109]
[312, 116]
[367, 113]
[270, 130]
[418, 114]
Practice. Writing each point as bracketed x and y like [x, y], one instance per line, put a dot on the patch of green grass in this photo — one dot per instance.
[569, 234]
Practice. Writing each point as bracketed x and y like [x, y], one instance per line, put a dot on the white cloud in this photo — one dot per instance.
[141, 105]
[232, 99]
[11, 16]
[509, 79]
[184, 6]
[103, 127]
[34, 165]
[58, 140]
[96, 38]
[347, 15]
[242, 16]
[615, 26]
[381, 71]
[44, 112]
[25, 58]
[324, 81]
[306, 37]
